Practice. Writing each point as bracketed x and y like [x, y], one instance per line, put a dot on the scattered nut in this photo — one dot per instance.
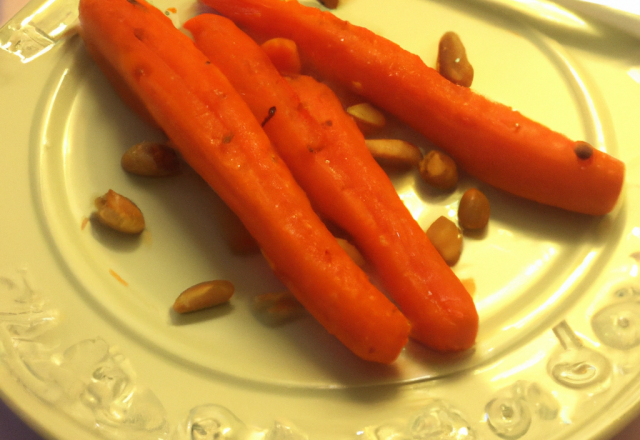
[277, 308]
[474, 210]
[352, 251]
[439, 170]
[583, 150]
[394, 152]
[119, 213]
[367, 117]
[151, 159]
[452, 60]
[284, 55]
[446, 238]
[203, 296]
[331, 4]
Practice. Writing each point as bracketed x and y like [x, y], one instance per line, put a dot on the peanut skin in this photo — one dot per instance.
[203, 296]
[452, 60]
[119, 213]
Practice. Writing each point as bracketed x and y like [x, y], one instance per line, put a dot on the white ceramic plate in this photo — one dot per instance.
[90, 348]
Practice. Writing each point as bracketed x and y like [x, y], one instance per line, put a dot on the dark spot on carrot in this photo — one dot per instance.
[139, 33]
[583, 150]
[272, 111]
[207, 62]
[136, 3]
[328, 122]
[227, 138]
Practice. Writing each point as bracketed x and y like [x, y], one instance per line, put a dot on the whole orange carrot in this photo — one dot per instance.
[218, 136]
[327, 155]
[488, 140]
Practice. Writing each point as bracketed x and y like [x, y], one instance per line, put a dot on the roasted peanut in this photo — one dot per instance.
[203, 296]
[394, 152]
[446, 238]
[284, 55]
[439, 170]
[277, 308]
[119, 213]
[331, 4]
[367, 117]
[352, 251]
[474, 210]
[452, 60]
[150, 159]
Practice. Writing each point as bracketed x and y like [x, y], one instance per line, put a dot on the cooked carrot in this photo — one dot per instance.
[218, 136]
[283, 53]
[117, 82]
[327, 154]
[488, 140]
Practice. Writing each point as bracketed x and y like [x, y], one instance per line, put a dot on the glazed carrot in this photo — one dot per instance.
[441, 311]
[218, 136]
[327, 155]
[117, 82]
[283, 53]
[488, 140]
